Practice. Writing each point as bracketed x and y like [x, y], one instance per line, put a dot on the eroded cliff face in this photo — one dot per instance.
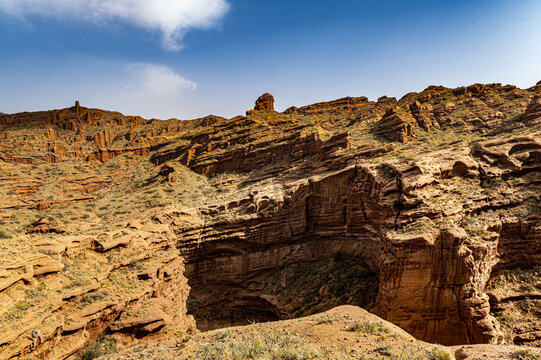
[305, 223]
[417, 209]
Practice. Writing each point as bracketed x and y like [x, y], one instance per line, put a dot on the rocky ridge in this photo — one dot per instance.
[117, 225]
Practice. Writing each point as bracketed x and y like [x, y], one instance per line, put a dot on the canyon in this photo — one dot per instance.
[424, 211]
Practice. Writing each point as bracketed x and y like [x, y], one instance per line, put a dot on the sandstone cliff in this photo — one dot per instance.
[424, 210]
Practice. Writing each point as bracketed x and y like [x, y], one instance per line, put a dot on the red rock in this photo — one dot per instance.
[265, 102]
[51, 134]
[532, 116]
[238, 200]
[103, 139]
[394, 127]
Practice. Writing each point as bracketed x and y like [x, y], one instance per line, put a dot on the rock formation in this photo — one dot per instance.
[424, 210]
[394, 127]
[265, 102]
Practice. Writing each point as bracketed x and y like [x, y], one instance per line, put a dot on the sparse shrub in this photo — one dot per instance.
[309, 288]
[23, 306]
[368, 327]
[90, 298]
[417, 352]
[529, 354]
[325, 320]
[113, 166]
[493, 183]
[16, 312]
[440, 354]
[35, 292]
[384, 350]
[101, 347]
[276, 344]
[136, 265]
[4, 234]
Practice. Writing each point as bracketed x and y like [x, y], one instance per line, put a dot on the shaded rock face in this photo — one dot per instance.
[265, 102]
[436, 277]
[394, 127]
[417, 209]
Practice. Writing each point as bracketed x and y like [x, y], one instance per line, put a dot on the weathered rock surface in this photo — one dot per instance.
[394, 127]
[265, 102]
[116, 225]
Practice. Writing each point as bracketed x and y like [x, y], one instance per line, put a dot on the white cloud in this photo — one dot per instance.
[158, 81]
[170, 17]
[150, 90]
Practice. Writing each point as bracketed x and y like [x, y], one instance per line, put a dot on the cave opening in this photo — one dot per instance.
[294, 289]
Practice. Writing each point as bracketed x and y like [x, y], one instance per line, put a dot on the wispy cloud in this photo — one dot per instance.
[150, 86]
[159, 81]
[149, 90]
[172, 18]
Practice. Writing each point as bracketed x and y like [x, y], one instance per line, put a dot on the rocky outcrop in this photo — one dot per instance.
[429, 282]
[394, 127]
[104, 154]
[265, 102]
[46, 226]
[308, 223]
[51, 134]
[134, 297]
[335, 106]
[103, 139]
[424, 114]
[532, 116]
[505, 158]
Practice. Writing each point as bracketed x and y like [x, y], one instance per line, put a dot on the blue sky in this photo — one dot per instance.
[191, 58]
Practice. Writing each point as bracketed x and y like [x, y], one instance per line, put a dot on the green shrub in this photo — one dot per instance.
[103, 346]
[325, 320]
[368, 327]
[384, 350]
[90, 298]
[23, 306]
[529, 354]
[440, 354]
[4, 234]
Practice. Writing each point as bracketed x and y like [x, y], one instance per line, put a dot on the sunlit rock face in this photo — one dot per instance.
[423, 210]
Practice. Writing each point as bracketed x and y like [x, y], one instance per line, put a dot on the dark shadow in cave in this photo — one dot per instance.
[291, 291]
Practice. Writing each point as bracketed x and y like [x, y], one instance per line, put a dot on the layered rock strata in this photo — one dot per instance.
[107, 221]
